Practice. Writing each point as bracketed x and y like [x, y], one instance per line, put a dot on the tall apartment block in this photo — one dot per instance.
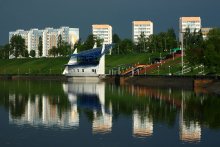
[22, 33]
[103, 31]
[49, 38]
[33, 40]
[193, 23]
[139, 27]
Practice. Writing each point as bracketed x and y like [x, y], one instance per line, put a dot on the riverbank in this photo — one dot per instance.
[210, 84]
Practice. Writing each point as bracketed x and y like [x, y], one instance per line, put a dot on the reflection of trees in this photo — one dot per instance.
[21, 91]
[17, 105]
[204, 110]
[164, 104]
[145, 103]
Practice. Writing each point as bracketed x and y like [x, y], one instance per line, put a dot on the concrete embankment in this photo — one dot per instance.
[34, 77]
[203, 83]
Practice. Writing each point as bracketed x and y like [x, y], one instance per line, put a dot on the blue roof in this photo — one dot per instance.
[92, 53]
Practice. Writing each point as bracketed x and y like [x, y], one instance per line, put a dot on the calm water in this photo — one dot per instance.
[35, 113]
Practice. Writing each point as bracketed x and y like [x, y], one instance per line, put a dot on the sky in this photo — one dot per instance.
[27, 14]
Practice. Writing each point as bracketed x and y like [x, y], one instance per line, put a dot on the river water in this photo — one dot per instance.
[39, 113]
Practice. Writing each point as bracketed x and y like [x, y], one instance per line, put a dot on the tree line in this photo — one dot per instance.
[160, 42]
[203, 52]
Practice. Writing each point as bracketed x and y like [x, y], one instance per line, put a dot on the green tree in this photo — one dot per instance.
[17, 43]
[141, 44]
[116, 40]
[212, 50]
[40, 47]
[126, 46]
[32, 53]
[5, 51]
[53, 52]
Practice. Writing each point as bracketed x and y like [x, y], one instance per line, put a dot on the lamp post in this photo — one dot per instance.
[169, 70]
[158, 71]
[182, 50]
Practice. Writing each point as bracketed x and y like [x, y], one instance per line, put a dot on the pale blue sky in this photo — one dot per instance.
[26, 14]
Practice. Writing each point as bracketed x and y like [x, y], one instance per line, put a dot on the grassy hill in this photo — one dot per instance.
[56, 65]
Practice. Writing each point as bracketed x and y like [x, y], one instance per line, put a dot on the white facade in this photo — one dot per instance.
[103, 31]
[193, 23]
[33, 40]
[49, 38]
[22, 33]
[205, 32]
[139, 27]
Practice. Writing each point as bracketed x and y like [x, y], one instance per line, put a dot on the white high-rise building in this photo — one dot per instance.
[139, 27]
[49, 38]
[33, 40]
[22, 33]
[103, 31]
[193, 23]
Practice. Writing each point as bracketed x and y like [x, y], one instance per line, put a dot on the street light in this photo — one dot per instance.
[182, 50]
[158, 71]
[169, 71]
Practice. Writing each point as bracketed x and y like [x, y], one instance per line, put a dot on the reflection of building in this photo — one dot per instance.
[91, 96]
[190, 131]
[42, 112]
[139, 27]
[142, 125]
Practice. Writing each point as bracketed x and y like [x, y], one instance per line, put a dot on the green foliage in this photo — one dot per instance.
[32, 53]
[17, 43]
[4, 51]
[212, 50]
[40, 47]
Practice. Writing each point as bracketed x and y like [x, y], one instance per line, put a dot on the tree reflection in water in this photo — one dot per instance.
[61, 104]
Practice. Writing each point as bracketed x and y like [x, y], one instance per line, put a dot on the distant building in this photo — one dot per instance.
[193, 23]
[103, 31]
[139, 27]
[33, 40]
[22, 33]
[49, 38]
[205, 32]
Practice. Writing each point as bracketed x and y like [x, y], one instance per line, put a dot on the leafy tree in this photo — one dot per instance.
[194, 47]
[32, 53]
[40, 47]
[116, 40]
[5, 51]
[26, 53]
[53, 52]
[212, 50]
[18, 44]
[126, 46]
[141, 44]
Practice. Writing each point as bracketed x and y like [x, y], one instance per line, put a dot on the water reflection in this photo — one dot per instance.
[91, 96]
[142, 125]
[64, 105]
[40, 111]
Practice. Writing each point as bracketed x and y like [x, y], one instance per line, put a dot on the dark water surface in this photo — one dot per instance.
[37, 113]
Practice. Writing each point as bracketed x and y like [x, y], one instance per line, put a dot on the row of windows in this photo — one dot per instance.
[83, 70]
